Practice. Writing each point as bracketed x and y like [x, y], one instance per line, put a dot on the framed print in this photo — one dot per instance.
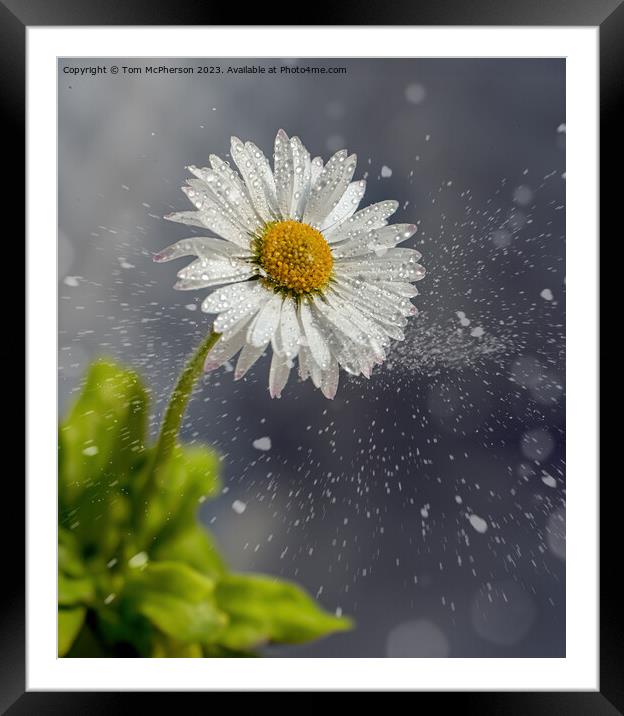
[317, 421]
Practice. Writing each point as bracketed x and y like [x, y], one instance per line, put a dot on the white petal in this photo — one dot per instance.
[405, 290]
[403, 254]
[339, 319]
[352, 357]
[278, 375]
[370, 217]
[225, 349]
[191, 284]
[377, 241]
[328, 329]
[266, 322]
[254, 180]
[235, 189]
[329, 382]
[379, 323]
[223, 299]
[226, 321]
[204, 272]
[198, 246]
[385, 269]
[374, 335]
[211, 215]
[263, 169]
[336, 189]
[249, 355]
[290, 331]
[374, 298]
[190, 218]
[305, 361]
[276, 341]
[315, 338]
[324, 185]
[301, 178]
[355, 358]
[315, 170]
[329, 187]
[315, 373]
[401, 232]
[227, 190]
[283, 173]
[346, 207]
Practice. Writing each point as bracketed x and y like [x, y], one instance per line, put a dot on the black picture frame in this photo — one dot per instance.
[17, 15]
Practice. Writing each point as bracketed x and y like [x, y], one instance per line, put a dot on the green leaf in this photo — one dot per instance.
[191, 545]
[268, 610]
[167, 589]
[174, 579]
[69, 561]
[190, 475]
[217, 651]
[165, 647]
[100, 449]
[74, 591]
[88, 645]
[121, 630]
[105, 429]
[70, 622]
[177, 599]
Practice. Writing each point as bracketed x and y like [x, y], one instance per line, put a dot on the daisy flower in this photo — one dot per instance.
[298, 267]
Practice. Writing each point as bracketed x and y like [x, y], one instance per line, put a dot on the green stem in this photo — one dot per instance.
[179, 399]
[173, 415]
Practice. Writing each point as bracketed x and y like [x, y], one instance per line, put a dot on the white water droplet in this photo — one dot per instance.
[549, 480]
[239, 506]
[415, 93]
[479, 524]
[140, 559]
[262, 443]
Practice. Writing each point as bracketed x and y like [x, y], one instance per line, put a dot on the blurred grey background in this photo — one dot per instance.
[429, 502]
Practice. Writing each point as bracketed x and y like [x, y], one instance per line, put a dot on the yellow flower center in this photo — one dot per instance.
[295, 257]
